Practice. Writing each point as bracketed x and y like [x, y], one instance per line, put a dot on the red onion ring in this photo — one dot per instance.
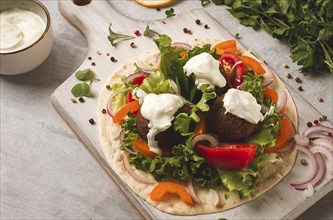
[313, 167]
[327, 153]
[183, 45]
[133, 173]
[205, 137]
[317, 129]
[319, 175]
[121, 136]
[281, 102]
[109, 103]
[323, 142]
[192, 193]
[236, 64]
[136, 75]
[320, 136]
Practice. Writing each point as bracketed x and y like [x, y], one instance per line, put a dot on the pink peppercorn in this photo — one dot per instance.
[298, 80]
[316, 122]
[137, 33]
[321, 100]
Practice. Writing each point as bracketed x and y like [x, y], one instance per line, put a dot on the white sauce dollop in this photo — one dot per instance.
[243, 105]
[159, 110]
[19, 29]
[206, 70]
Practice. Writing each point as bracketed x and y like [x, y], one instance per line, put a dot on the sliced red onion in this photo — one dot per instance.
[192, 193]
[137, 74]
[269, 77]
[327, 153]
[317, 129]
[320, 136]
[313, 167]
[183, 45]
[301, 140]
[109, 103]
[309, 191]
[281, 102]
[236, 64]
[323, 142]
[205, 137]
[121, 137]
[319, 174]
[134, 174]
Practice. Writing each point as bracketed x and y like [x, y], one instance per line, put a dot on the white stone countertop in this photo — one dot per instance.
[47, 173]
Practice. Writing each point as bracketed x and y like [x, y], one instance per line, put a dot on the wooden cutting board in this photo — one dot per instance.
[93, 20]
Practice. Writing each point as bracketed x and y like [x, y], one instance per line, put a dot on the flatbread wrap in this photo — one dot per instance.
[189, 142]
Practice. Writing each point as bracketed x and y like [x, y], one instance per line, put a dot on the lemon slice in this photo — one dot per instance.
[154, 3]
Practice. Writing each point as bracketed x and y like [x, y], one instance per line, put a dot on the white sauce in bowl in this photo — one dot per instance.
[19, 29]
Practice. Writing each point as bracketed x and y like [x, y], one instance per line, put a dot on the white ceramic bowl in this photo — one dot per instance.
[31, 56]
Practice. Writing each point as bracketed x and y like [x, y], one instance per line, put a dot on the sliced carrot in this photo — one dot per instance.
[253, 64]
[201, 126]
[272, 95]
[142, 147]
[225, 46]
[129, 107]
[283, 136]
[164, 189]
[183, 53]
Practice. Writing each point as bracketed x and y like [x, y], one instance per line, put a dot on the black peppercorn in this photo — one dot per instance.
[197, 21]
[81, 99]
[206, 26]
[113, 59]
[92, 121]
[103, 111]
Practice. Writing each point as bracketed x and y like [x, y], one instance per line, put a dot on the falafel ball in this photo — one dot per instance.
[165, 139]
[227, 127]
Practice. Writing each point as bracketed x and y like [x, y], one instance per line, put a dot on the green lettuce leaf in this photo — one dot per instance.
[157, 83]
[253, 84]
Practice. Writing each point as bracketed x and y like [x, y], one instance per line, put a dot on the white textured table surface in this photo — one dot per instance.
[47, 173]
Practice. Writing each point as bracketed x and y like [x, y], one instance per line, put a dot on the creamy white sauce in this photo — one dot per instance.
[206, 70]
[243, 105]
[19, 29]
[159, 110]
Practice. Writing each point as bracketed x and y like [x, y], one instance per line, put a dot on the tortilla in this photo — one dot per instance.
[110, 143]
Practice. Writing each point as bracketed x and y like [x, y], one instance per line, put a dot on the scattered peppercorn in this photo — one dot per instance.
[206, 26]
[73, 100]
[189, 32]
[185, 30]
[99, 52]
[81, 99]
[198, 22]
[108, 54]
[298, 80]
[321, 100]
[92, 121]
[103, 111]
[89, 58]
[323, 118]
[286, 66]
[300, 88]
[309, 124]
[238, 53]
[133, 45]
[265, 62]
[163, 22]
[93, 64]
[158, 9]
[108, 86]
[289, 76]
[113, 59]
[137, 33]
[316, 122]
[237, 36]
[304, 162]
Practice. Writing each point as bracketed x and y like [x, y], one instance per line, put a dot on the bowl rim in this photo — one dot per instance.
[47, 29]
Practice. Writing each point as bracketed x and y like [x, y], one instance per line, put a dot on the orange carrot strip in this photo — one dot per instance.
[283, 136]
[183, 53]
[129, 107]
[165, 188]
[272, 95]
[225, 46]
[201, 126]
[143, 148]
[253, 64]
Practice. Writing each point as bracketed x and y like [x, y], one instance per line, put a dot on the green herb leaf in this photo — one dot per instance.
[115, 36]
[204, 2]
[84, 75]
[169, 13]
[80, 89]
[149, 32]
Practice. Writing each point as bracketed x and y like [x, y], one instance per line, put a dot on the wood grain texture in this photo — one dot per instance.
[93, 21]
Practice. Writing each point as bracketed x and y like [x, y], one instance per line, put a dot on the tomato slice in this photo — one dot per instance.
[235, 77]
[227, 156]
